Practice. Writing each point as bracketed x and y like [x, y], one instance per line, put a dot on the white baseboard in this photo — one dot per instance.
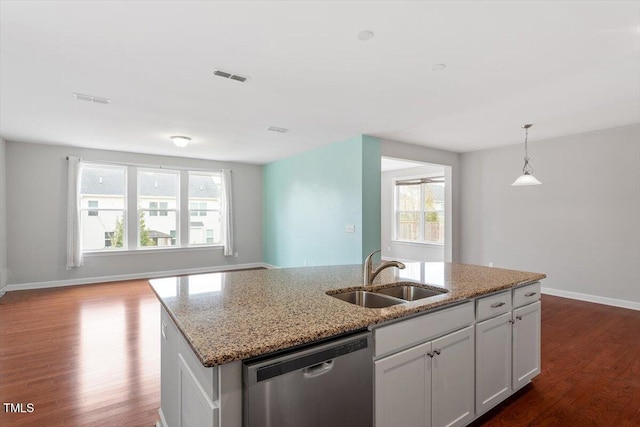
[269, 266]
[592, 298]
[162, 422]
[134, 276]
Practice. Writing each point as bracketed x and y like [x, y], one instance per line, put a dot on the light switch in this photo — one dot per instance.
[350, 228]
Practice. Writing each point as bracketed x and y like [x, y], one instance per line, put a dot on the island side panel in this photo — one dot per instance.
[176, 354]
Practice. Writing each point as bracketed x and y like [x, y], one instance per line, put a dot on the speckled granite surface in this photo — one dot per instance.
[237, 315]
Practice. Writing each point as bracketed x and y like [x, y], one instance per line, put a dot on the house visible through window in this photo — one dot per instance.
[419, 210]
[103, 207]
[204, 202]
[157, 207]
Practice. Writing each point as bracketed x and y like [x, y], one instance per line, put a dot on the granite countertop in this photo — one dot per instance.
[238, 315]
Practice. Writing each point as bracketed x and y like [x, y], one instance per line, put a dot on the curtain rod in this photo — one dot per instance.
[152, 166]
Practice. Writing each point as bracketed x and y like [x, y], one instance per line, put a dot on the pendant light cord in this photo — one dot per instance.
[526, 169]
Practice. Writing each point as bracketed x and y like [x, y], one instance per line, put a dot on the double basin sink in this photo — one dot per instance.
[399, 293]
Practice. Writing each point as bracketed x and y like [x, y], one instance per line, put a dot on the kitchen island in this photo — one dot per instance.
[212, 322]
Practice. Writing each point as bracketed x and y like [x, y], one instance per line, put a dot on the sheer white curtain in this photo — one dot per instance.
[227, 213]
[74, 242]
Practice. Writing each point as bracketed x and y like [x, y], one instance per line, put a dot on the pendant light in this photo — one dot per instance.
[527, 177]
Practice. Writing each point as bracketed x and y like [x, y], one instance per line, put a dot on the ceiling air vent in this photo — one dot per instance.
[277, 129]
[91, 98]
[226, 75]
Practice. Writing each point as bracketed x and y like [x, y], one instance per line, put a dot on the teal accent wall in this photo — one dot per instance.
[309, 199]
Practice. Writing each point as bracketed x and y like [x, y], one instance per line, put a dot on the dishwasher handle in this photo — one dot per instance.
[317, 370]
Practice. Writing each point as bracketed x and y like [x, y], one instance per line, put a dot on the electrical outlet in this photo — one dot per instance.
[350, 228]
[490, 264]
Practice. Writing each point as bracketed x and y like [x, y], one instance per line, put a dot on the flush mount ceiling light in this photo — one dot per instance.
[91, 98]
[438, 67]
[180, 141]
[365, 35]
[527, 177]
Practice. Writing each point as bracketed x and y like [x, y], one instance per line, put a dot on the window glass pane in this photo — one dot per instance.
[204, 203]
[433, 196]
[102, 206]
[158, 205]
[408, 225]
[408, 197]
[157, 231]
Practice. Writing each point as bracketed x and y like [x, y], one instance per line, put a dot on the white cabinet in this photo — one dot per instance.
[493, 361]
[452, 379]
[507, 348]
[195, 407]
[430, 384]
[403, 388]
[193, 395]
[526, 344]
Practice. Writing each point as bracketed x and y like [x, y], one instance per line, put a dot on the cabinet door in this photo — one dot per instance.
[526, 344]
[452, 387]
[493, 362]
[403, 388]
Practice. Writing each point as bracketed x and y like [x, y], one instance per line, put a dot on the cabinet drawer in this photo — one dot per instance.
[493, 305]
[401, 335]
[526, 294]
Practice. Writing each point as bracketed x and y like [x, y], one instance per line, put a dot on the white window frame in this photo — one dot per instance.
[124, 210]
[158, 210]
[421, 213]
[199, 211]
[131, 210]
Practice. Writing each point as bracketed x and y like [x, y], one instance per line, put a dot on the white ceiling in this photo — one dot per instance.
[388, 164]
[568, 67]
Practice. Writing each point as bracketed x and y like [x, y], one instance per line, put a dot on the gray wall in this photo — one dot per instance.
[581, 226]
[401, 150]
[36, 218]
[401, 250]
[3, 216]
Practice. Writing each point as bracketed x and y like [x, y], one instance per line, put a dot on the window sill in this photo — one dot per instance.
[408, 242]
[151, 250]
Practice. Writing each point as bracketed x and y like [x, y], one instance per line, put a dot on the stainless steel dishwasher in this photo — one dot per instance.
[328, 384]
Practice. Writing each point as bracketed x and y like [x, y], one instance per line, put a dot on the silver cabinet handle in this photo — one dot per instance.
[530, 294]
[519, 317]
[437, 352]
[512, 321]
[431, 354]
[497, 304]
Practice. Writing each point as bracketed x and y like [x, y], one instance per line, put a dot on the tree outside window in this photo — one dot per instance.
[420, 210]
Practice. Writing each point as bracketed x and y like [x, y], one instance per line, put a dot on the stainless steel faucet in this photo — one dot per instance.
[370, 274]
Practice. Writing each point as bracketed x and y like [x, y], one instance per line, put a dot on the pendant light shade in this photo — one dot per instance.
[527, 177]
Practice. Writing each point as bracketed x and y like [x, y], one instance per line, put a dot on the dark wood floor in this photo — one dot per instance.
[89, 355]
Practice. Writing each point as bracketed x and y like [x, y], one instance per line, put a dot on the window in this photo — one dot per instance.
[419, 212]
[102, 207]
[108, 210]
[108, 239]
[157, 207]
[92, 204]
[204, 202]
